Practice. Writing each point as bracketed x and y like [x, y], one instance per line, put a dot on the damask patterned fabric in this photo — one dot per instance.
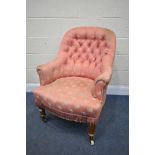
[70, 95]
[74, 84]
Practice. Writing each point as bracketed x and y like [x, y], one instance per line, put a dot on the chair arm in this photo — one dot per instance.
[47, 71]
[101, 83]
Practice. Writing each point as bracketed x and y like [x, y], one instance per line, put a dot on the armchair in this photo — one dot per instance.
[73, 86]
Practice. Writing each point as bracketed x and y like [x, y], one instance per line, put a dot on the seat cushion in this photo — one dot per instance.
[70, 95]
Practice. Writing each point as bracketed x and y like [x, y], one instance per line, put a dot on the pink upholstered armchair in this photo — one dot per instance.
[73, 86]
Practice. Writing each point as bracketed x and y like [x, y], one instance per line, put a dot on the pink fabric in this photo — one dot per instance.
[70, 95]
[86, 52]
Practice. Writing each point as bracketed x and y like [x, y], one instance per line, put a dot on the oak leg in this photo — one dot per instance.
[91, 132]
[42, 114]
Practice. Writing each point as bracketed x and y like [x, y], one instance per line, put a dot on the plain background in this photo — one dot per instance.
[48, 20]
[13, 77]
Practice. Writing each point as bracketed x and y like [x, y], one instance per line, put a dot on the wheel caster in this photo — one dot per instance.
[44, 120]
[92, 142]
[43, 115]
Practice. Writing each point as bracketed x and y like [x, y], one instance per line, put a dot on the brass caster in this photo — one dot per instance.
[91, 132]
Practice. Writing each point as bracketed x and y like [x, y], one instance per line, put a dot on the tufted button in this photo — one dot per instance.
[97, 44]
[80, 43]
[92, 51]
[87, 56]
[94, 37]
[75, 36]
[70, 42]
[105, 44]
[66, 49]
[75, 50]
[85, 36]
[90, 61]
[106, 52]
[78, 56]
[71, 55]
[101, 37]
[89, 44]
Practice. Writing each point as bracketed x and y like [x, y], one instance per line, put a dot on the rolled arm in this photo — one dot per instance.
[104, 78]
[47, 71]
[101, 83]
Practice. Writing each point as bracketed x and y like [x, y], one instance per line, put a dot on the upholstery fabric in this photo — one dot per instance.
[71, 95]
[74, 84]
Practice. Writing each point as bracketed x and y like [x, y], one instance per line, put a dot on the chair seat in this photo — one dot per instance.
[70, 95]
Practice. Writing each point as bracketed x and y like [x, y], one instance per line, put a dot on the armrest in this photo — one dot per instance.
[105, 76]
[46, 72]
[101, 83]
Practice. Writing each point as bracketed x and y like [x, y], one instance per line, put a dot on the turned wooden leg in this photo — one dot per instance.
[91, 132]
[42, 114]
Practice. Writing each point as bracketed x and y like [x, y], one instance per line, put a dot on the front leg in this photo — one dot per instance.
[43, 114]
[91, 132]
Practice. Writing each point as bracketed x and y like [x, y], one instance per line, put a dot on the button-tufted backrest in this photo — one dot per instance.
[85, 51]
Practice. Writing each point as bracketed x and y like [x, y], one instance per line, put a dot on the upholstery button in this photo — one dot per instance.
[102, 37]
[78, 56]
[105, 45]
[75, 36]
[75, 50]
[106, 52]
[70, 55]
[84, 50]
[80, 43]
[97, 44]
[66, 49]
[89, 44]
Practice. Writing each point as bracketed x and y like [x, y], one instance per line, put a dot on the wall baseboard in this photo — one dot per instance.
[112, 89]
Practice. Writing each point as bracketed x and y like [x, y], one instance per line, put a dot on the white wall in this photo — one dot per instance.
[47, 20]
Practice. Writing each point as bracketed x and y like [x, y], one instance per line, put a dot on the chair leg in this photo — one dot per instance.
[43, 115]
[91, 132]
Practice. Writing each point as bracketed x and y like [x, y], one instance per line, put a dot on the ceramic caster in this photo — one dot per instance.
[92, 142]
